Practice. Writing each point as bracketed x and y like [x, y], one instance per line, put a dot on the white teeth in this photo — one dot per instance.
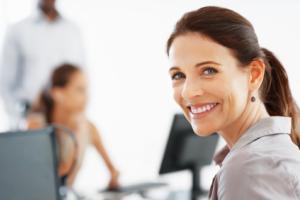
[202, 109]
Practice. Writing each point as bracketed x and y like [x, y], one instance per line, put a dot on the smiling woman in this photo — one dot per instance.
[209, 66]
[226, 83]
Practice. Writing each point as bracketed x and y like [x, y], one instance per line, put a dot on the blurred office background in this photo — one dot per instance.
[130, 90]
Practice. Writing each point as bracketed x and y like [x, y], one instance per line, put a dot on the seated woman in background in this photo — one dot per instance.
[64, 104]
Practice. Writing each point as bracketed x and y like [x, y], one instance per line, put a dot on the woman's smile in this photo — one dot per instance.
[199, 111]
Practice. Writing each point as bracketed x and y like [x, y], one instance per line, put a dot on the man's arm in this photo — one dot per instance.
[10, 67]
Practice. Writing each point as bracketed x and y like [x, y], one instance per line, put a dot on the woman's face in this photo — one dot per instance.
[73, 97]
[208, 84]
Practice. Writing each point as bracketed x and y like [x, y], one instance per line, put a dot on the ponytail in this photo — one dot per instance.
[276, 93]
[44, 105]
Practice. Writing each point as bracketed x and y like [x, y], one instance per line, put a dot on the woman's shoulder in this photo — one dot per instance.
[273, 148]
[267, 173]
[263, 161]
[36, 120]
[92, 127]
[93, 131]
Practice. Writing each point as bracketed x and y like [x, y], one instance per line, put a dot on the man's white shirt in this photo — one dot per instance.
[32, 49]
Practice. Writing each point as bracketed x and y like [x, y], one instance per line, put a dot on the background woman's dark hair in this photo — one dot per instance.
[60, 78]
[233, 31]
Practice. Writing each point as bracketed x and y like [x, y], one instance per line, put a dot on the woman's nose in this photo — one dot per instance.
[191, 89]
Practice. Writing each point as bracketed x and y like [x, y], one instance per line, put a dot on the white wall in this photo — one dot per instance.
[131, 99]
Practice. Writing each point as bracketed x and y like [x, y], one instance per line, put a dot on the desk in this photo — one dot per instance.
[183, 195]
[156, 195]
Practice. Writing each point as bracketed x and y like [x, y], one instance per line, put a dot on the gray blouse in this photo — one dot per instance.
[263, 164]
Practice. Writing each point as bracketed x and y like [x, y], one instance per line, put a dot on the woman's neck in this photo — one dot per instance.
[252, 114]
[64, 117]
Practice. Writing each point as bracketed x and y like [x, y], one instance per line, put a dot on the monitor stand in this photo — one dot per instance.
[197, 190]
[196, 193]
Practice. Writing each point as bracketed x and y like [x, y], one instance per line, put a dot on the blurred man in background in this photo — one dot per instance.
[32, 48]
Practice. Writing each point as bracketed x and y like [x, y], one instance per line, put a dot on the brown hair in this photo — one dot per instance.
[233, 31]
[60, 77]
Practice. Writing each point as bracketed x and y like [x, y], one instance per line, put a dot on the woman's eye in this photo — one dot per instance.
[209, 71]
[178, 76]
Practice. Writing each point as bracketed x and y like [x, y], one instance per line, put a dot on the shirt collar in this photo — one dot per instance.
[264, 127]
[220, 155]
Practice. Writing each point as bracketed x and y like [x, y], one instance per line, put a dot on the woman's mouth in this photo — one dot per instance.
[200, 111]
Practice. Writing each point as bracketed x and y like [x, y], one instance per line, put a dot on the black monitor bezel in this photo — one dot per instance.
[168, 163]
[50, 131]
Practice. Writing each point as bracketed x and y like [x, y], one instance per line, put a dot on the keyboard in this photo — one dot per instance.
[136, 188]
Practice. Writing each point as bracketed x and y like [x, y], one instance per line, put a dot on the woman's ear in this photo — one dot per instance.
[257, 72]
[57, 94]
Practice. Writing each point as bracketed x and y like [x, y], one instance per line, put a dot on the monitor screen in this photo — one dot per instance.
[28, 165]
[186, 150]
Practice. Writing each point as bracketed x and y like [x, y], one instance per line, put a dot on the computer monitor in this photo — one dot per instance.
[28, 165]
[187, 151]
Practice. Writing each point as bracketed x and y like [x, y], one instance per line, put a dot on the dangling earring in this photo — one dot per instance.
[253, 99]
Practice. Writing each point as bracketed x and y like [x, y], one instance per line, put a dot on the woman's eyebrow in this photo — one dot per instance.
[206, 62]
[174, 68]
